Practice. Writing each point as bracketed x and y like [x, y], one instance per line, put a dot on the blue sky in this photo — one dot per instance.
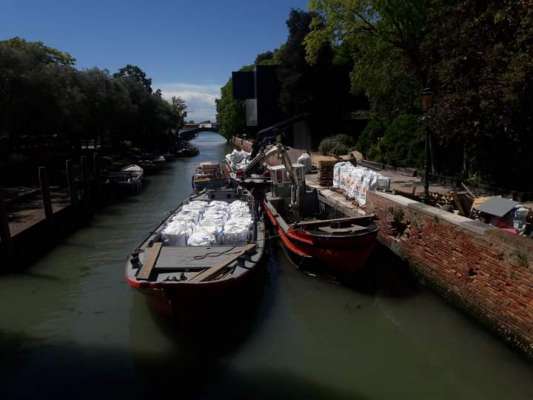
[188, 48]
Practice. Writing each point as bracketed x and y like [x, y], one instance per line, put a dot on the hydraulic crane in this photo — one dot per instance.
[264, 147]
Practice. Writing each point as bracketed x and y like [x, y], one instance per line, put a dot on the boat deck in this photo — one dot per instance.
[334, 199]
[194, 258]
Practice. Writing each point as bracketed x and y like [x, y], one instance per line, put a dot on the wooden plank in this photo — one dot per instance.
[211, 272]
[346, 220]
[192, 258]
[152, 254]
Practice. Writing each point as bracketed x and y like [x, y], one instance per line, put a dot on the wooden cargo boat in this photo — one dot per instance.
[209, 175]
[323, 236]
[183, 282]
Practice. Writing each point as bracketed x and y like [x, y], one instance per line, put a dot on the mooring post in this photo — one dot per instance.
[96, 165]
[5, 233]
[45, 193]
[96, 177]
[87, 198]
[70, 182]
[84, 172]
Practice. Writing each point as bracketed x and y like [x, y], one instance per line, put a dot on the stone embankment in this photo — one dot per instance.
[482, 269]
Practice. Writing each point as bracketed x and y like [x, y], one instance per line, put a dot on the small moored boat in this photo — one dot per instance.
[308, 226]
[128, 178]
[200, 258]
[208, 175]
[323, 236]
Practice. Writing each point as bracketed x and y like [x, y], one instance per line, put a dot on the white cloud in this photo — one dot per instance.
[200, 99]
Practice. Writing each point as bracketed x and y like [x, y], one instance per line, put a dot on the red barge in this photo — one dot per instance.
[184, 282]
[310, 229]
[339, 245]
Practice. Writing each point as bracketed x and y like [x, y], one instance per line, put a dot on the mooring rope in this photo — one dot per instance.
[214, 254]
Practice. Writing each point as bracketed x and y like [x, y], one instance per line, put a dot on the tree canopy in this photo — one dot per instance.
[43, 94]
[321, 89]
[475, 55]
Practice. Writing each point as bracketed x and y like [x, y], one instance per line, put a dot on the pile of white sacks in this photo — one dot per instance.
[202, 223]
[238, 159]
[357, 181]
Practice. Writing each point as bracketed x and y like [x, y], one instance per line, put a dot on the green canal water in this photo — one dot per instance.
[70, 327]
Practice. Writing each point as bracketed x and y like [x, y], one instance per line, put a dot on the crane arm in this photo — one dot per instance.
[281, 151]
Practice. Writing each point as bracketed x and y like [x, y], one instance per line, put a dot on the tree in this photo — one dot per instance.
[136, 74]
[384, 38]
[180, 110]
[321, 88]
[481, 56]
[32, 82]
[43, 95]
[266, 58]
[231, 118]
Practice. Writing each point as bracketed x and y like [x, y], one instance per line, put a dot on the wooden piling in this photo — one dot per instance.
[5, 232]
[87, 188]
[84, 172]
[70, 182]
[96, 166]
[45, 193]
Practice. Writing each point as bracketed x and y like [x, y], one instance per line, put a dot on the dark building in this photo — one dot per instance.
[259, 89]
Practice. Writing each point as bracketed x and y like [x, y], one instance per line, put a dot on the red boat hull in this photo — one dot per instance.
[186, 303]
[341, 256]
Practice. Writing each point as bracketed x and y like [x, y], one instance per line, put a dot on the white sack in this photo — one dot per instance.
[201, 238]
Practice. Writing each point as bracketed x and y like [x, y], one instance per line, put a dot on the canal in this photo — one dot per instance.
[70, 327]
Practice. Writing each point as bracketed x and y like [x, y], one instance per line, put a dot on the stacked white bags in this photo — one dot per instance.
[200, 223]
[181, 225]
[237, 227]
[357, 181]
[238, 159]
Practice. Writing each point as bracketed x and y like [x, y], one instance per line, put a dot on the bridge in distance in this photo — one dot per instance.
[189, 131]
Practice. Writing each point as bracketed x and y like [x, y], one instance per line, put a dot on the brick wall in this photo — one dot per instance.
[486, 272]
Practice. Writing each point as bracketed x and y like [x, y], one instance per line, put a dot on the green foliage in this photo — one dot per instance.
[321, 89]
[402, 144]
[231, 117]
[266, 58]
[383, 38]
[42, 93]
[136, 74]
[336, 145]
[372, 133]
[482, 57]
[476, 56]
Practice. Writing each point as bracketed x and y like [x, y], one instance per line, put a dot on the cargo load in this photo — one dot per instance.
[355, 182]
[201, 223]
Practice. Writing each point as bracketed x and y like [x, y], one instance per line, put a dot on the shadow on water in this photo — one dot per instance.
[384, 274]
[220, 329]
[66, 371]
